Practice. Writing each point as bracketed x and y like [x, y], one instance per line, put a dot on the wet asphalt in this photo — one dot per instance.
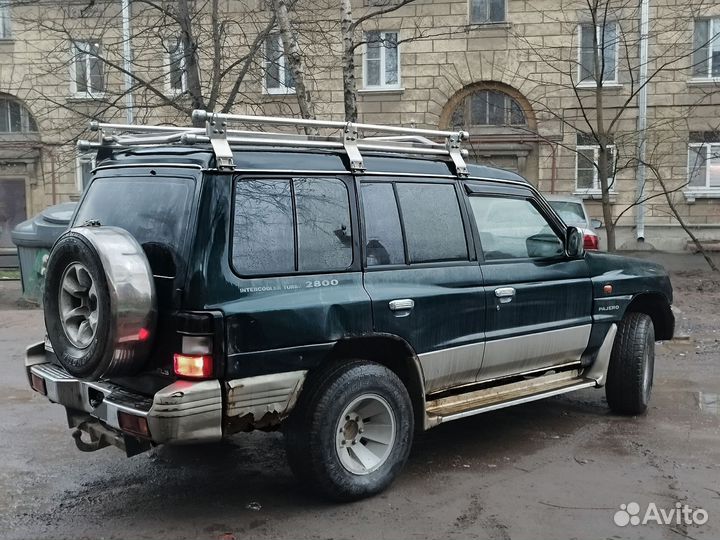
[558, 468]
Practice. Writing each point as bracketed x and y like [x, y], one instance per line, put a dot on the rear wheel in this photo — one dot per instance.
[351, 431]
[632, 365]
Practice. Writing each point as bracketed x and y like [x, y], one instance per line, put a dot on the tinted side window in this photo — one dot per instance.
[323, 221]
[513, 229]
[433, 223]
[269, 213]
[383, 235]
[263, 240]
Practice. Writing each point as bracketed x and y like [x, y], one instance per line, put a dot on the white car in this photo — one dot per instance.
[573, 212]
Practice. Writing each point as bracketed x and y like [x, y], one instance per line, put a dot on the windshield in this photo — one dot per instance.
[154, 209]
[571, 212]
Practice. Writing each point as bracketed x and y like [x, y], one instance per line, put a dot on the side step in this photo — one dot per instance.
[490, 399]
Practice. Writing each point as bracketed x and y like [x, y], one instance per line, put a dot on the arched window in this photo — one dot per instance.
[15, 118]
[484, 108]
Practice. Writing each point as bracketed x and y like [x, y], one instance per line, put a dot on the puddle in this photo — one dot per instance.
[687, 401]
[709, 402]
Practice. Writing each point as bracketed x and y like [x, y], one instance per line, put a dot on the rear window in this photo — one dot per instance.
[291, 225]
[570, 212]
[154, 209]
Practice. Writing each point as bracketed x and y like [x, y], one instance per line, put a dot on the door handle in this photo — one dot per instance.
[505, 294]
[405, 304]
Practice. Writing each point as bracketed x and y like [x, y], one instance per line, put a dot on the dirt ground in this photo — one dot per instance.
[558, 468]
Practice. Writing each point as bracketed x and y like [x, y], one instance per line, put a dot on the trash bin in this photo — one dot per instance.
[33, 239]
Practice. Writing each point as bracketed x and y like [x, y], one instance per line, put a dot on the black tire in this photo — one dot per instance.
[312, 429]
[632, 365]
[92, 361]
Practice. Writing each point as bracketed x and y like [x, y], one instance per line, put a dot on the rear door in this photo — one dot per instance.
[422, 275]
[538, 300]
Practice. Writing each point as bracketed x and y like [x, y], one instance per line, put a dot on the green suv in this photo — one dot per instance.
[349, 290]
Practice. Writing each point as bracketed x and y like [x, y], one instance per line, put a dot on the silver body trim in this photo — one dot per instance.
[504, 357]
[451, 367]
[269, 397]
[497, 359]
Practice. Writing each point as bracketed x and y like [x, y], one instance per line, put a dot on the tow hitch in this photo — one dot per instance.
[102, 436]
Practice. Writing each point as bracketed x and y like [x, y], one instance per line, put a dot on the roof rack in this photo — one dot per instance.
[401, 140]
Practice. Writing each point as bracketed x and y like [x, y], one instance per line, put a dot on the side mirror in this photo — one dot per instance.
[595, 223]
[574, 243]
[543, 246]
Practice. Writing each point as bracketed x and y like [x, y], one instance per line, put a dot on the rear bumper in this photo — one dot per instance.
[183, 412]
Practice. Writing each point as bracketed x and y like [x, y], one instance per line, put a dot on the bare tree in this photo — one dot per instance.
[294, 59]
[187, 54]
[605, 109]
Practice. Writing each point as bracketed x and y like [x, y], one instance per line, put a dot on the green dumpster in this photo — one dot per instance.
[33, 239]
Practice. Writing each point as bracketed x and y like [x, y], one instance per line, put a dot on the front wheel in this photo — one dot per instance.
[351, 431]
[632, 365]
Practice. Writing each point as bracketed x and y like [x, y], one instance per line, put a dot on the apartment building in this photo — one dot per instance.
[520, 75]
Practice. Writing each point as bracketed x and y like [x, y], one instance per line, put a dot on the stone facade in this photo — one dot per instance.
[450, 67]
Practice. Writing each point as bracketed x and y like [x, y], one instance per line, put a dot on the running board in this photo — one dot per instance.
[498, 397]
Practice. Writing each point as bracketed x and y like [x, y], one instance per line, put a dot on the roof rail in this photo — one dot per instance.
[402, 140]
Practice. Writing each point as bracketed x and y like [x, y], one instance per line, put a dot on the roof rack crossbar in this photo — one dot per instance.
[205, 116]
[402, 140]
[371, 146]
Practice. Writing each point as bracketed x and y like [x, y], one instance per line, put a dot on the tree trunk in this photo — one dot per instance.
[189, 50]
[603, 164]
[294, 60]
[604, 172]
[348, 61]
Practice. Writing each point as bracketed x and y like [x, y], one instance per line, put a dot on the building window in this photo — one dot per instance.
[607, 52]
[14, 118]
[278, 77]
[706, 48]
[5, 21]
[176, 70]
[488, 108]
[382, 60]
[704, 161]
[88, 77]
[84, 165]
[586, 165]
[487, 11]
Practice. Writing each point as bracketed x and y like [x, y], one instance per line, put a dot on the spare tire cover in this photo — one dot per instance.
[99, 302]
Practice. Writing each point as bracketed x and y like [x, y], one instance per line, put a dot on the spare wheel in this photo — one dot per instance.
[99, 302]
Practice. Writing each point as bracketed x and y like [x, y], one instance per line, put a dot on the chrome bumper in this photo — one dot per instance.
[183, 412]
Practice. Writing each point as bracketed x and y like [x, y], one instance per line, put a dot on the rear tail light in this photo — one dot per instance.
[38, 384]
[137, 425]
[591, 242]
[193, 366]
[199, 350]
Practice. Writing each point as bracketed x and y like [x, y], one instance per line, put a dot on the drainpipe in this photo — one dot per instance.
[127, 60]
[642, 120]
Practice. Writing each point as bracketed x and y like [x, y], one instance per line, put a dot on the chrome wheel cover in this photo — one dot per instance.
[365, 434]
[78, 303]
